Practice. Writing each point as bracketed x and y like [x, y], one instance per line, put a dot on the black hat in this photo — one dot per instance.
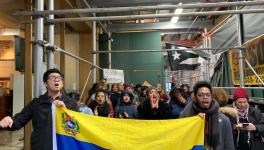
[127, 92]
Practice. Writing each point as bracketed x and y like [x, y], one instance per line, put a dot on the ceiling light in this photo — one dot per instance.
[176, 11]
[9, 31]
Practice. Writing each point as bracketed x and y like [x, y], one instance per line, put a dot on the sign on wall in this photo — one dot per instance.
[254, 54]
[113, 75]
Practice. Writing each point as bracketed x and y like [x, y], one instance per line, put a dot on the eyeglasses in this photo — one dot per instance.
[53, 78]
[205, 95]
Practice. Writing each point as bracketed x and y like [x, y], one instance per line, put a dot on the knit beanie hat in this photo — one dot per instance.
[149, 89]
[126, 86]
[240, 93]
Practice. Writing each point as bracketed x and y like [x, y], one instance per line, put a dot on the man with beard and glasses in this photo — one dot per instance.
[39, 111]
[153, 108]
[218, 130]
[250, 129]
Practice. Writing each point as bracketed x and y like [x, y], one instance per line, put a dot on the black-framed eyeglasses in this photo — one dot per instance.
[205, 95]
[53, 78]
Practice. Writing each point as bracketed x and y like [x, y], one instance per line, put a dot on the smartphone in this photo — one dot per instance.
[245, 124]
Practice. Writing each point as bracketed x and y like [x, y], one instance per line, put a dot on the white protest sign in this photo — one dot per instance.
[113, 75]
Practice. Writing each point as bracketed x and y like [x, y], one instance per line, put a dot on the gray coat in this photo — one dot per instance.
[225, 131]
[226, 134]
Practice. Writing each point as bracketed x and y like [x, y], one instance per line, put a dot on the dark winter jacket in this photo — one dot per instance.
[39, 111]
[129, 108]
[146, 112]
[115, 99]
[257, 118]
[103, 110]
[176, 106]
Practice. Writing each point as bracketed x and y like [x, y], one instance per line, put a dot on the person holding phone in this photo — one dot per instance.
[250, 129]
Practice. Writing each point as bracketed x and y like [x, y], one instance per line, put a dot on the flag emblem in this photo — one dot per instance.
[70, 124]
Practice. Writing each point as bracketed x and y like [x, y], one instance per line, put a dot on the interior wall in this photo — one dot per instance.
[85, 52]
[18, 92]
[139, 66]
[7, 56]
[71, 64]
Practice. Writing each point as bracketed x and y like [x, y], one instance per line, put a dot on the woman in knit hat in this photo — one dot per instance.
[152, 107]
[251, 122]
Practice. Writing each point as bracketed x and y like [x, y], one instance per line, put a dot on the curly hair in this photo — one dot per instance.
[220, 96]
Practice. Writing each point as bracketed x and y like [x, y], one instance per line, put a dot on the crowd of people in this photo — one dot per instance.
[228, 125]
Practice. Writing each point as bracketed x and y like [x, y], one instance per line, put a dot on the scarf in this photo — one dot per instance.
[242, 113]
[211, 123]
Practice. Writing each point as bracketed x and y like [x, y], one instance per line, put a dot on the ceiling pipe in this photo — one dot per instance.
[149, 16]
[140, 8]
[100, 23]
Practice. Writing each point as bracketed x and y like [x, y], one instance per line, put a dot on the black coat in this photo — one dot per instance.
[103, 110]
[39, 111]
[257, 118]
[115, 99]
[146, 112]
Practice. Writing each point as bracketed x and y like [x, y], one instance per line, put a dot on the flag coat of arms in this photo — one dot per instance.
[76, 131]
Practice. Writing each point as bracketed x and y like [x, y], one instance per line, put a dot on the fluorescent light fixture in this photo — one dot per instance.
[181, 47]
[9, 31]
[176, 11]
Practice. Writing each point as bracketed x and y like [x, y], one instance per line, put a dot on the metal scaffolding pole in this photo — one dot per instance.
[167, 50]
[57, 48]
[38, 55]
[239, 44]
[206, 61]
[94, 49]
[86, 82]
[89, 7]
[140, 8]
[150, 16]
[50, 54]
[109, 49]
[249, 65]
[255, 88]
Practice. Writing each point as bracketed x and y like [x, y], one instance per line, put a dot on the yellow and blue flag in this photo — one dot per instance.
[76, 131]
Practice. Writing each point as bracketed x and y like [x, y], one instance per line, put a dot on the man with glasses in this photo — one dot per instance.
[218, 131]
[39, 111]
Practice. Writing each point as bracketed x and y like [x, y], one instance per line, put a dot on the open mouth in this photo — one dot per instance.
[206, 103]
[154, 99]
[56, 84]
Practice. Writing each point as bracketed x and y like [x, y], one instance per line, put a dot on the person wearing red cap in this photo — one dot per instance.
[250, 129]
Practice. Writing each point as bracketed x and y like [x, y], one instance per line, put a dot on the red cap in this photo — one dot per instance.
[240, 93]
[126, 86]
